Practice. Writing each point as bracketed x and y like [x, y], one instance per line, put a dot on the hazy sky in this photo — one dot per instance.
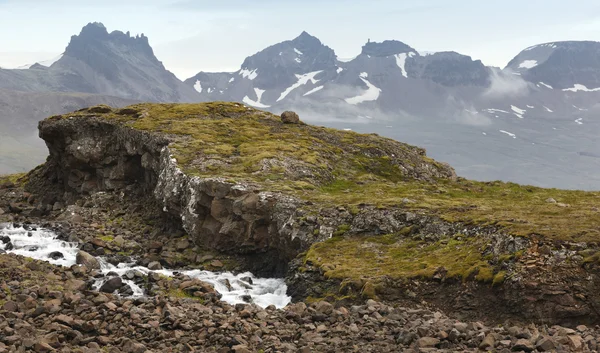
[216, 35]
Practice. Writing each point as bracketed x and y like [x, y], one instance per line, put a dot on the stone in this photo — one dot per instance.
[575, 342]
[154, 265]
[546, 344]
[323, 307]
[427, 342]
[488, 342]
[217, 264]
[43, 347]
[55, 255]
[87, 260]
[111, 285]
[130, 346]
[550, 200]
[289, 117]
[523, 345]
[10, 306]
[64, 319]
[182, 244]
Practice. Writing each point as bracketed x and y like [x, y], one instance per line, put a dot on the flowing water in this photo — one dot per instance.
[43, 244]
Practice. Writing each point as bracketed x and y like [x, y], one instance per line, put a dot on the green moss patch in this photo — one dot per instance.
[398, 257]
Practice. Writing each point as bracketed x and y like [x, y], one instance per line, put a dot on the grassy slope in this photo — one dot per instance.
[345, 168]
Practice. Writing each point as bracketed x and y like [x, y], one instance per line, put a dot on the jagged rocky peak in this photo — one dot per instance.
[386, 48]
[95, 34]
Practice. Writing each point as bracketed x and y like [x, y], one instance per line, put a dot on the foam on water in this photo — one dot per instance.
[39, 243]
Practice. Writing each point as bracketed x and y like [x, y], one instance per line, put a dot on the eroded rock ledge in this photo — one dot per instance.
[92, 154]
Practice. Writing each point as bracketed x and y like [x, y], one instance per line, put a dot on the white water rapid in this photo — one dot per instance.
[42, 244]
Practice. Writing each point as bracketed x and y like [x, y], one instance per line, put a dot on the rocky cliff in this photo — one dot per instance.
[348, 216]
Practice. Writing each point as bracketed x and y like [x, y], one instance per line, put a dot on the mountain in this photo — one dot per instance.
[98, 62]
[570, 66]
[96, 67]
[537, 114]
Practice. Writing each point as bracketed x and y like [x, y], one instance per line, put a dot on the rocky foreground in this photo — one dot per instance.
[48, 309]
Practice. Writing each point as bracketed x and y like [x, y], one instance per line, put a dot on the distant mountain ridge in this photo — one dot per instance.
[535, 121]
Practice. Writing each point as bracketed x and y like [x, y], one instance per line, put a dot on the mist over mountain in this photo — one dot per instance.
[533, 121]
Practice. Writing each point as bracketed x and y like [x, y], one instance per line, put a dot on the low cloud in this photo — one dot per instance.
[506, 84]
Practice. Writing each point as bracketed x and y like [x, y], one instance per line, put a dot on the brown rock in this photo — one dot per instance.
[42, 347]
[111, 285]
[523, 345]
[488, 342]
[216, 264]
[323, 307]
[83, 258]
[10, 306]
[154, 265]
[130, 346]
[427, 342]
[546, 344]
[289, 117]
[64, 319]
[575, 342]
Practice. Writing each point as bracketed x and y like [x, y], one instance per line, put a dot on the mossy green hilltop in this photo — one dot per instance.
[342, 168]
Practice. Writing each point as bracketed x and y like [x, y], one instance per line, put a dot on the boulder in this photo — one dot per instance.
[87, 260]
[289, 117]
[55, 255]
[111, 285]
[523, 345]
[154, 265]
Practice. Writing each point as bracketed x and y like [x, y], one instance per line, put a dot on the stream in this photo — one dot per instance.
[43, 244]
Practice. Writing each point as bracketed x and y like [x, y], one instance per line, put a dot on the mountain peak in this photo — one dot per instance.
[307, 39]
[386, 48]
[95, 33]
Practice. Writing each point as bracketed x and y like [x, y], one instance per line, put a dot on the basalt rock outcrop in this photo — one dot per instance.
[95, 150]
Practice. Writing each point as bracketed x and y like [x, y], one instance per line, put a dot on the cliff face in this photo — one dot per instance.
[356, 216]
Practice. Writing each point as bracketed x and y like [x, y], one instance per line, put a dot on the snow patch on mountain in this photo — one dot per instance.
[579, 121]
[231, 79]
[298, 51]
[548, 110]
[401, 62]
[251, 75]
[371, 94]
[578, 87]
[198, 86]
[316, 89]
[298, 60]
[257, 104]
[302, 80]
[518, 111]
[493, 110]
[339, 69]
[545, 85]
[528, 64]
[508, 133]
